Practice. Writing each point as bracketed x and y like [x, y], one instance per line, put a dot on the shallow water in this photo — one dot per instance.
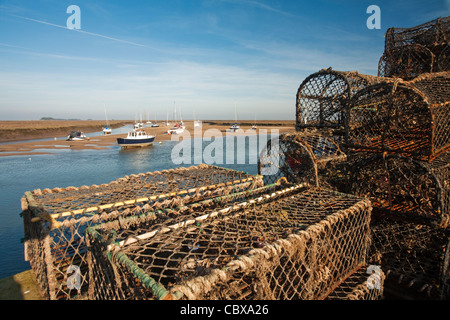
[69, 167]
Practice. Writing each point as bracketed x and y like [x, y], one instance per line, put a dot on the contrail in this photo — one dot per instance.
[82, 31]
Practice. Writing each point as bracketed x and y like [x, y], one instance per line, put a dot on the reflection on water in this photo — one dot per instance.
[70, 167]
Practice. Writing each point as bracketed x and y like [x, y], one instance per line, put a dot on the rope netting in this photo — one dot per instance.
[411, 254]
[410, 118]
[365, 284]
[55, 220]
[323, 96]
[406, 187]
[298, 157]
[295, 243]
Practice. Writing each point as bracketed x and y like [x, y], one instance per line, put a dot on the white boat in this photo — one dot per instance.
[176, 129]
[254, 124]
[76, 136]
[107, 127]
[136, 138]
[197, 123]
[234, 126]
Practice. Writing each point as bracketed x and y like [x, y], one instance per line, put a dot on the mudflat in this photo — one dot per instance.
[19, 133]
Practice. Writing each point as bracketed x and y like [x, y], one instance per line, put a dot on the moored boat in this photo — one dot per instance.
[176, 129]
[76, 136]
[136, 138]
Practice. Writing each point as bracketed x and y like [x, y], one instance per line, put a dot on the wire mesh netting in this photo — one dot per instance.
[411, 254]
[323, 96]
[409, 118]
[298, 157]
[406, 187]
[55, 220]
[296, 243]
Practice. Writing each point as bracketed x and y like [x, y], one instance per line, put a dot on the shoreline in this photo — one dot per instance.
[29, 146]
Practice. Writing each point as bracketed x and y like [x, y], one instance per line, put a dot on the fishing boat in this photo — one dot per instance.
[136, 138]
[76, 136]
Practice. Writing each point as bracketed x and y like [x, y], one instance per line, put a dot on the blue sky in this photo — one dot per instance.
[202, 56]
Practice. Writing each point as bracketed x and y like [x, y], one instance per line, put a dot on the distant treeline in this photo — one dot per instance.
[50, 118]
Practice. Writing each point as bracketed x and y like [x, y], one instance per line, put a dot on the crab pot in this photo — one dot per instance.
[55, 220]
[298, 157]
[323, 96]
[409, 118]
[365, 284]
[406, 62]
[412, 256]
[295, 243]
[404, 187]
[430, 34]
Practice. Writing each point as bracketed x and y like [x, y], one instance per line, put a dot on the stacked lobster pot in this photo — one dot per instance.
[297, 242]
[402, 128]
[55, 220]
[410, 52]
[314, 154]
[393, 131]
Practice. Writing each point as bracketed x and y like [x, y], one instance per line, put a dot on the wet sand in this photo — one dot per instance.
[49, 129]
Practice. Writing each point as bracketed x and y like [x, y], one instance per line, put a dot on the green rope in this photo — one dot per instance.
[157, 289]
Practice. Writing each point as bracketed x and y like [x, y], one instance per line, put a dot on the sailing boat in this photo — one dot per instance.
[178, 127]
[156, 122]
[234, 127]
[107, 127]
[196, 122]
[254, 124]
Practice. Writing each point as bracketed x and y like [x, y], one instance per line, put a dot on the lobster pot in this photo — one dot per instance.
[55, 220]
[409, 52]
[428, 34]
[323, 96]
[412, 255]
[295, 243]
[409, 118]
[404, 187]
[366, 283]
[406, 62]
[298, 157]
